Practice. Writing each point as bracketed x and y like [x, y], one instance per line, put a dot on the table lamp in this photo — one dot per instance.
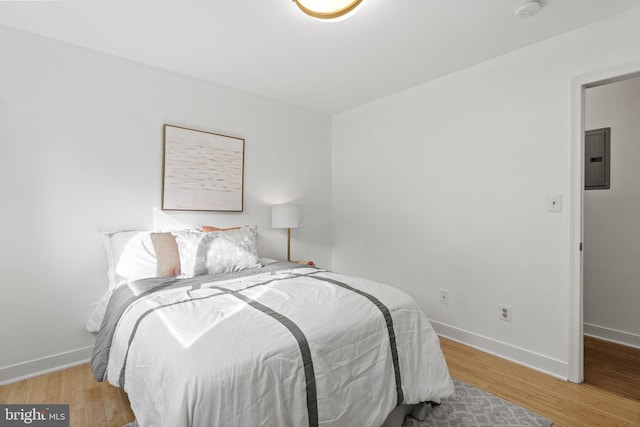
[286, 216]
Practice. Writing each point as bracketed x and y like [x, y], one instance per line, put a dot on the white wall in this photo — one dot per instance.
[443, 186]
[81, 152]
[611, 231]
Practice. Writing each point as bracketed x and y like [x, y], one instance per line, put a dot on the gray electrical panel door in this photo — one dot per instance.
[597, 162]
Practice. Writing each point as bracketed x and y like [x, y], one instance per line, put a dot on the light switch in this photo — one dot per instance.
[554, 202]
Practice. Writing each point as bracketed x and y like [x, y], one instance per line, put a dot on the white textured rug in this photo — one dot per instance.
[472, 407]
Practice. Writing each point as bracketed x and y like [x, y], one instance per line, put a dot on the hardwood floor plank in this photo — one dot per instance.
[94, 400]
[4, 394]
[53, 391]
[75, 391]
[612, 366]
[17, 392]
[37, 389]
[117, 409]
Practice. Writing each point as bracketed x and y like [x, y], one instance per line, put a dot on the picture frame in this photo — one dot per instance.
[202, 171]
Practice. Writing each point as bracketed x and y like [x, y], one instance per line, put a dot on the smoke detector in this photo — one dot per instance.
[527, 8]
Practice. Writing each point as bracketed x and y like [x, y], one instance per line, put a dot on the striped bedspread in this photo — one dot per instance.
[275, 346]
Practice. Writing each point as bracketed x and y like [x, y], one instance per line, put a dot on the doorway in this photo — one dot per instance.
[576, 201]
[611, 237]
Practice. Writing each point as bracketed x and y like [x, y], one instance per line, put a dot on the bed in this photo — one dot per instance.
[272, 345]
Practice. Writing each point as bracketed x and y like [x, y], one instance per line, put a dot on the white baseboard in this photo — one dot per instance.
[521, 356]
[613, 335]
[33, 368]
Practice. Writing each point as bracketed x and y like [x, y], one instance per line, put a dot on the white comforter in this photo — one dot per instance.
[208, 357]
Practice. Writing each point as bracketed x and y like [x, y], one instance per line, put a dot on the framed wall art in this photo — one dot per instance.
[202, 171]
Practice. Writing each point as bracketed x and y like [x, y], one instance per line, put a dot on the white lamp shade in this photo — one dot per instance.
[286, 216]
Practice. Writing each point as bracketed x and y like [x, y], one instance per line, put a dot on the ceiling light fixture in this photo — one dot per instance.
[527, 8]
[327, 9]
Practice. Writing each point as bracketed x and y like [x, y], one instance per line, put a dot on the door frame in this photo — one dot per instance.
[576, 207]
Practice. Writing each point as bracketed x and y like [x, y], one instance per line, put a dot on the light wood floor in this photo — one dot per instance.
[91, 404]
[612, 367]
[98, 404]
[564, 403]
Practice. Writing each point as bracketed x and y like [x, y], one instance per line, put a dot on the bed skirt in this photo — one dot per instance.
[396, 418]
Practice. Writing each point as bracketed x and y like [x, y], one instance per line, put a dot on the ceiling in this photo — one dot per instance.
[270, 48]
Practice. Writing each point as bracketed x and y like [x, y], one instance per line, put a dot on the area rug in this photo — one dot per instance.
[472, 407]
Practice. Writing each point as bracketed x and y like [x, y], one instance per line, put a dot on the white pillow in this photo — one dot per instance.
[130, 256]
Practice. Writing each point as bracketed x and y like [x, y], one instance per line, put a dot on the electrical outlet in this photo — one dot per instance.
[505, 313]
[444, 296]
